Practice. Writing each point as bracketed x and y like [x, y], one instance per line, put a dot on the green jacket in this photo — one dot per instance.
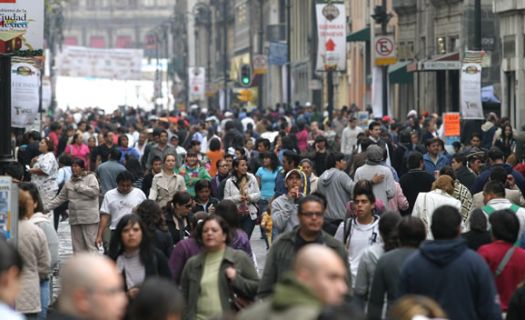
[245, 282]
[291, 300]
[192, 175]
[282, 253]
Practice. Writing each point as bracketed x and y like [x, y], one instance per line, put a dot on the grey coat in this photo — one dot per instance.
[284, 214]
[82, 193]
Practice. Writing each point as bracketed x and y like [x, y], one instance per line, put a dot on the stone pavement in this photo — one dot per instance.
[65, 251]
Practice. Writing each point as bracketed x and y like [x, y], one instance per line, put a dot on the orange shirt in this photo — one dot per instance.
[213, 157]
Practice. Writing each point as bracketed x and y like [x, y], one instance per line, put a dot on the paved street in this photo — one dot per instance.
[65, 250]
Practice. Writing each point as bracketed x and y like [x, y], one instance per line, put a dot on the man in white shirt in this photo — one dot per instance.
[118, 202]
[360, 232]
[349, 136]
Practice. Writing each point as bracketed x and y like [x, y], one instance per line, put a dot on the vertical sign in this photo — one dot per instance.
[8, 208]
[197, 83]
[21, 25]
[331, 31]
[385, 50]
[471, 107]
[25, 95]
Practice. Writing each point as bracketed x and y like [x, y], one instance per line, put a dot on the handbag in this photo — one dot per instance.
[237, 300]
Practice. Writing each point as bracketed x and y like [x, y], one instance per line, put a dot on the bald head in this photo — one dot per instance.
[323, 271]
[91, 287]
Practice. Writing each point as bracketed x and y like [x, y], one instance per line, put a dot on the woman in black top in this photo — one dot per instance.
[478, 234]
[178, 216]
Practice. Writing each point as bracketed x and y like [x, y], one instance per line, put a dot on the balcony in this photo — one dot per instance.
[501, 6]
[402, 7]
[442, 3]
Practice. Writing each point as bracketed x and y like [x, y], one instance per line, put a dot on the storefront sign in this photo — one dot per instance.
[331, 31]
[452, 123]
[470, 89]
[21, 25]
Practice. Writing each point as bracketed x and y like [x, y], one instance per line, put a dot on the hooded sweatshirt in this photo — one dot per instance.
[337, 187]
[455, 276]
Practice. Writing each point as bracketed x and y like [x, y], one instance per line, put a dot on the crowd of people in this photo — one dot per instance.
[371, 219]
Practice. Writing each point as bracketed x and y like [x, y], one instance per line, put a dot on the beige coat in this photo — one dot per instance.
[163, 187]
[82, 193]
[32, 245]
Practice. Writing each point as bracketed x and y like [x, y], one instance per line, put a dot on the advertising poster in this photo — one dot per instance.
[331, 31]
[197, 80]
[470, 88]
[21, 25]
[25, 94]
[8, 208]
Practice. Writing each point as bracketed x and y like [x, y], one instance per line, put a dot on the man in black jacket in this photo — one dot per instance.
[416, 180]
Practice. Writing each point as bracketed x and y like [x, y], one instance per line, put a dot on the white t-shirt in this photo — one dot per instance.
[361, 237]
[118, 205]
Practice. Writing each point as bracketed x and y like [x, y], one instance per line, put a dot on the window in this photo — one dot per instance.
[124, 42]
[441, 46]
[453, 43]
[97, 42]
[71, 41]
[509, 46]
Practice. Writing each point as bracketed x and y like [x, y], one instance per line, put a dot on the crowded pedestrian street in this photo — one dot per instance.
[262, 160]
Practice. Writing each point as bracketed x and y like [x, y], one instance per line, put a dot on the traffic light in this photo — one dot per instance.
[380, 15]
[246, 75]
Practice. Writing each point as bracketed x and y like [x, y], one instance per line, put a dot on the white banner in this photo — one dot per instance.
[197, 83]
[115, 64]
[25, 94]
[21, 25]
[470, 87]
[331, 31]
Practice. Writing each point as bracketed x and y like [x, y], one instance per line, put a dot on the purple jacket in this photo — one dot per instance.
[182, 252]
[189, 247]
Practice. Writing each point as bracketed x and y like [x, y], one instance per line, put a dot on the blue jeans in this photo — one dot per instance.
[44, 298]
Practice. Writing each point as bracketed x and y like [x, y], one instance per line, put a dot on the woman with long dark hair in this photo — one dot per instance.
[135, 255]
[239, 239]
[133, 166]
[151, 214]
[178, 214]
[506, 142]
[242, 188]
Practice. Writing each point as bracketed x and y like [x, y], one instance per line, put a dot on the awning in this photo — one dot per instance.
[448, 61]
[362, 35]
[397, 73]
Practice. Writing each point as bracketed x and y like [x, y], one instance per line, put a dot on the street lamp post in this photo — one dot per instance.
[5, 109]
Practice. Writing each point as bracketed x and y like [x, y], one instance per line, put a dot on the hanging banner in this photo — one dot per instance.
[278, 53]
[197, 83]
[331, 31]
[21, 25]
[470, 90]
[115, 64]
[25, 94]
[8, 208]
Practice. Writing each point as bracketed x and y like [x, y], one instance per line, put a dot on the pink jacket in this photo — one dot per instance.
[399, 201]
[79, 152]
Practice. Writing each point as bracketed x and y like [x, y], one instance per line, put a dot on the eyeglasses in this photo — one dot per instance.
[318, 214]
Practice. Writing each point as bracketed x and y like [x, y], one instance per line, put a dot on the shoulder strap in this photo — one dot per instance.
[515, 208]
[504, 261]
[488, 209]
[347, 230]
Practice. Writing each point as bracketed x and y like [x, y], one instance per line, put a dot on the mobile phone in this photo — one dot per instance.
[28, 167]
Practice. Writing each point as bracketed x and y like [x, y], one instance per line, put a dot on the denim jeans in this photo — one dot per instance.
[247, 225]
[44, 298]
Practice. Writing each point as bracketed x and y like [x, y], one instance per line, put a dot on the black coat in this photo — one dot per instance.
[414, 182]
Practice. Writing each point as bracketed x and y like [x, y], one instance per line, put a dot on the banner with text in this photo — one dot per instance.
[25, 94]
[115, 64]
[21, 25]
[331, 31]
[471, 107]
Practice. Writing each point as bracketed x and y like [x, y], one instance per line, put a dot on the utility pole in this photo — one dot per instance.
[260, 99]
[382, 17]
[5, 109]
[384, 30]
[289, 40]
[225, 47]
[477, 25]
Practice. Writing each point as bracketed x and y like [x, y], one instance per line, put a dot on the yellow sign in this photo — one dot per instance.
[386, 61]
[245, 95]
